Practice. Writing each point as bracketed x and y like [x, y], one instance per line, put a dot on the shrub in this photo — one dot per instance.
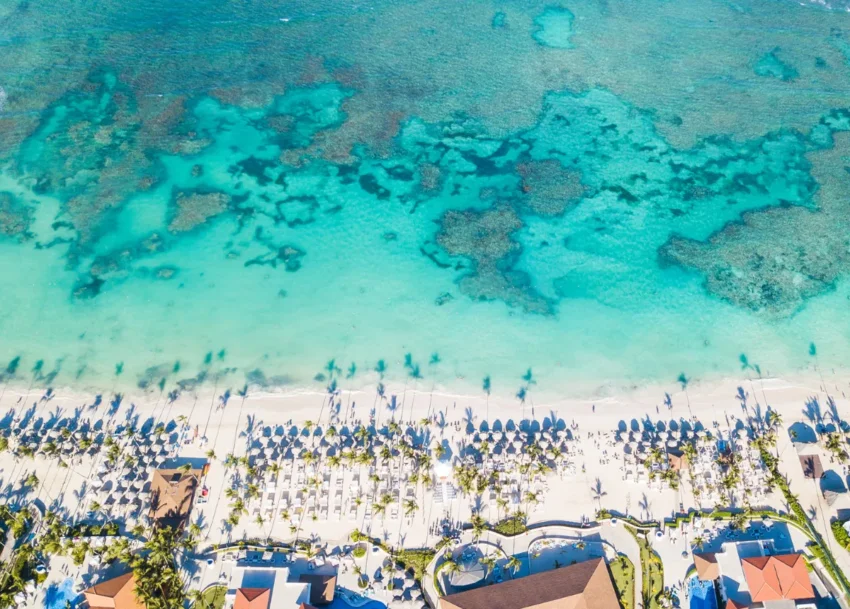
[841, 535]
[359, 552]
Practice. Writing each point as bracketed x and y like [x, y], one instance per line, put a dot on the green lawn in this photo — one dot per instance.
[213, 598]
[623, 574]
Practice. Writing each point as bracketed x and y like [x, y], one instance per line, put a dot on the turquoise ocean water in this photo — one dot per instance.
[605, 192]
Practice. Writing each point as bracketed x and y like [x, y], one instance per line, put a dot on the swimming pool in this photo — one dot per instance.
[57, 596]
[339, 603]
[701, 594]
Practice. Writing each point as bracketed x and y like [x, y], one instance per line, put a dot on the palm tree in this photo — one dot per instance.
[210, 454]
[450, 567]
[196, 597]
[358, 571]
[502, 504]
[835, 444]
[513, 564]
[699, 542]
[531, 498]
[410, 507]
[478, 527]
[598, 493]
[488, 562]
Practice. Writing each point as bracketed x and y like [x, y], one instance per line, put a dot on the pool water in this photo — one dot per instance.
[57, 596]
[339, 603]
[701, 594]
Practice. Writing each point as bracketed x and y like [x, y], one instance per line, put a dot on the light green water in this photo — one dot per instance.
[605, 193]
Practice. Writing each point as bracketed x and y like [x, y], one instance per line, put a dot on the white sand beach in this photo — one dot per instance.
[597, 476]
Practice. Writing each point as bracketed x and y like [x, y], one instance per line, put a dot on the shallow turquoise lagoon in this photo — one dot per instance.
[285, 194]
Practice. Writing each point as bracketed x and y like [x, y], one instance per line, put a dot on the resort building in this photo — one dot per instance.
[172, 495]
[268, 588]
[777, 578]
[706, 566]
[116, 593]
[676, 459]
[322, 587]
[747, 577]
[585, 585]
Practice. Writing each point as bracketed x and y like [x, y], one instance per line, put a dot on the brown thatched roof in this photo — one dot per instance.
[116, 593]
[707, 567]
[172, 493]
[322, 587]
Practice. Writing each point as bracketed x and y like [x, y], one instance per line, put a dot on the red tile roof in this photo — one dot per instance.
[252, 598]
[780, 577]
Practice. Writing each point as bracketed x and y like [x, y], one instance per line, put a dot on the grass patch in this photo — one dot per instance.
[651, 569]
[510, 526]
[623, 574]
[417, 560]
[213, 598]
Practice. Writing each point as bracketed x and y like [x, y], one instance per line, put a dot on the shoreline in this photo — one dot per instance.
[703, 400]
[549, 384]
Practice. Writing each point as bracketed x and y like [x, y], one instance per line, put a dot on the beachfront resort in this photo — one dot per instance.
[114, 506]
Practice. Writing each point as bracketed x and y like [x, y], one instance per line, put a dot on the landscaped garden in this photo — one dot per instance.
[623, 574]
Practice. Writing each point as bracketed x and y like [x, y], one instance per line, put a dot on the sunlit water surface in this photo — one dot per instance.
[605, 193]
